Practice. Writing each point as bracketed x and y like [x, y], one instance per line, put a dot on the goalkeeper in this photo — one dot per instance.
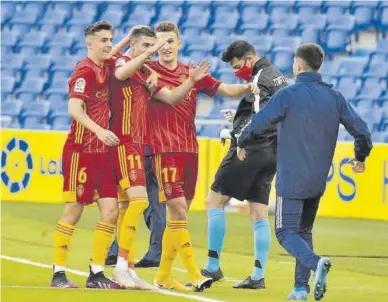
[254, 175]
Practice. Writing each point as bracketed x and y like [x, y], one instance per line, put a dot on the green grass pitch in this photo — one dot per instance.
[359, 251]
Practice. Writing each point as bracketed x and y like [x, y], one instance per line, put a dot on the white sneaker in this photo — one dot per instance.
[124, 278]
[140, 283]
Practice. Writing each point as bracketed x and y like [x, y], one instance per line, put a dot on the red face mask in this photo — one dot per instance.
[244, 72]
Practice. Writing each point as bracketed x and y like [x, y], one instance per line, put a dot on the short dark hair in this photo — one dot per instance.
[141, 30]
[91, 29]
[312, 54]
[166, 26]
[238, 49]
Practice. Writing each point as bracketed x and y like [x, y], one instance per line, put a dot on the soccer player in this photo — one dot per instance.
[308, 115]
[86, 166]
[176, 156]
[254, 175]
[129, 122]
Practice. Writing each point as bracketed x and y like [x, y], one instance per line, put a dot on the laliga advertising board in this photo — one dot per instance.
[31, 172]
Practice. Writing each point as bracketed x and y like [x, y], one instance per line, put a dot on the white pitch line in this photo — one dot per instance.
[80, 273]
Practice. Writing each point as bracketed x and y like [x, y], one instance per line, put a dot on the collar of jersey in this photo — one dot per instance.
[309, 77]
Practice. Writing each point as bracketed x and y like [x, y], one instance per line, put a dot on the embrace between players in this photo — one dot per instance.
[119, 104]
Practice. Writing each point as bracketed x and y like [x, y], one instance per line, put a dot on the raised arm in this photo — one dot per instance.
[233, 90]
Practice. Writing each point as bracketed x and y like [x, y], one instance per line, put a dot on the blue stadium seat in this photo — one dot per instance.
[34, 39]
[334, 9]
[350, 92]
[56, 100]
[33, 86]
[114, 17]
[378, 137]
[61, 123]
[49, 29]
[36, 109]
[364, 106]
[39, 6]
[363, 12]
[76, 30]
[38, 62]
[370, 90]
[53, 17]
[258, 22]
[345, 82]
[26, 97]
[25, 16]
[353, 66]
[362, 52]
[260, 6]
[60, 87]
[64, 63]
[142, 5]
[249, 13]
[5, 121]
[7, 10]
[9, 73]
[289, 22]
[28, 51]
[222, 42]
[117, 6]
[225, 6]
[203, 43]
[22, 29]
[197, 56]
[313, 22]
[346, 22]
[9, 38]
[382, 46]
[379, 71]
[306, 8]
[57, 51]
[203, 4]
[196, 20]
[166, 15]
[291, 42]
[310, 35]
[137, 18]
[61, 39]
[13, 61]
[336, 41]
[377, 58]
[283, 58]
[59, 76]
[286, 6]
[59, 110]
[219, 20]
[81, 18]
[32, 73]
[7, 84]
[64, 6]
[11, 108]
[263, 44]
[89, 7]
[382, 17]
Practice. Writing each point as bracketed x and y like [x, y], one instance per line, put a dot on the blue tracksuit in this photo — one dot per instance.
[308, 115]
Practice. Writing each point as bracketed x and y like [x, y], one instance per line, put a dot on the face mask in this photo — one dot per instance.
[244, 72]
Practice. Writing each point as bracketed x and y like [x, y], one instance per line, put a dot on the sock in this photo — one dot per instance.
[185, 249]
[103, 236]
[62, 238]
[216, 235]
[262, 241]
[129, 226]
[168, 256]
[120, 221]
[97, 268]
[122, 263]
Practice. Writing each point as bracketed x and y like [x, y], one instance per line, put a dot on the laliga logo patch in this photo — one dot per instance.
[80, 85]
[168, 189]
[16, 165]
[133, 175]
[80, 190]
[120, 62]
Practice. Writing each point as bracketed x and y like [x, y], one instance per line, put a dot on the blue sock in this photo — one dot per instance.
[216, 234]
[262, 241]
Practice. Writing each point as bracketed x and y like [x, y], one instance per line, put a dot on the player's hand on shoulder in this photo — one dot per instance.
[241, 153]
[107, 137]
[254, 88]
[197, 73]
[229, 114]
[357, 166]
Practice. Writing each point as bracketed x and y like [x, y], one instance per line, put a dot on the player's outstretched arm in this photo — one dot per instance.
[119, 47]
[77, 112]
[129, 68]
[176, 95]
[233, 90]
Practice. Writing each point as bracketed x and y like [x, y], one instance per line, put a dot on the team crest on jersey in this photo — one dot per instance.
[133, 175]
[80, 190]
[183, 78]
[80, 85]
[167, 189]
[120, 62]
